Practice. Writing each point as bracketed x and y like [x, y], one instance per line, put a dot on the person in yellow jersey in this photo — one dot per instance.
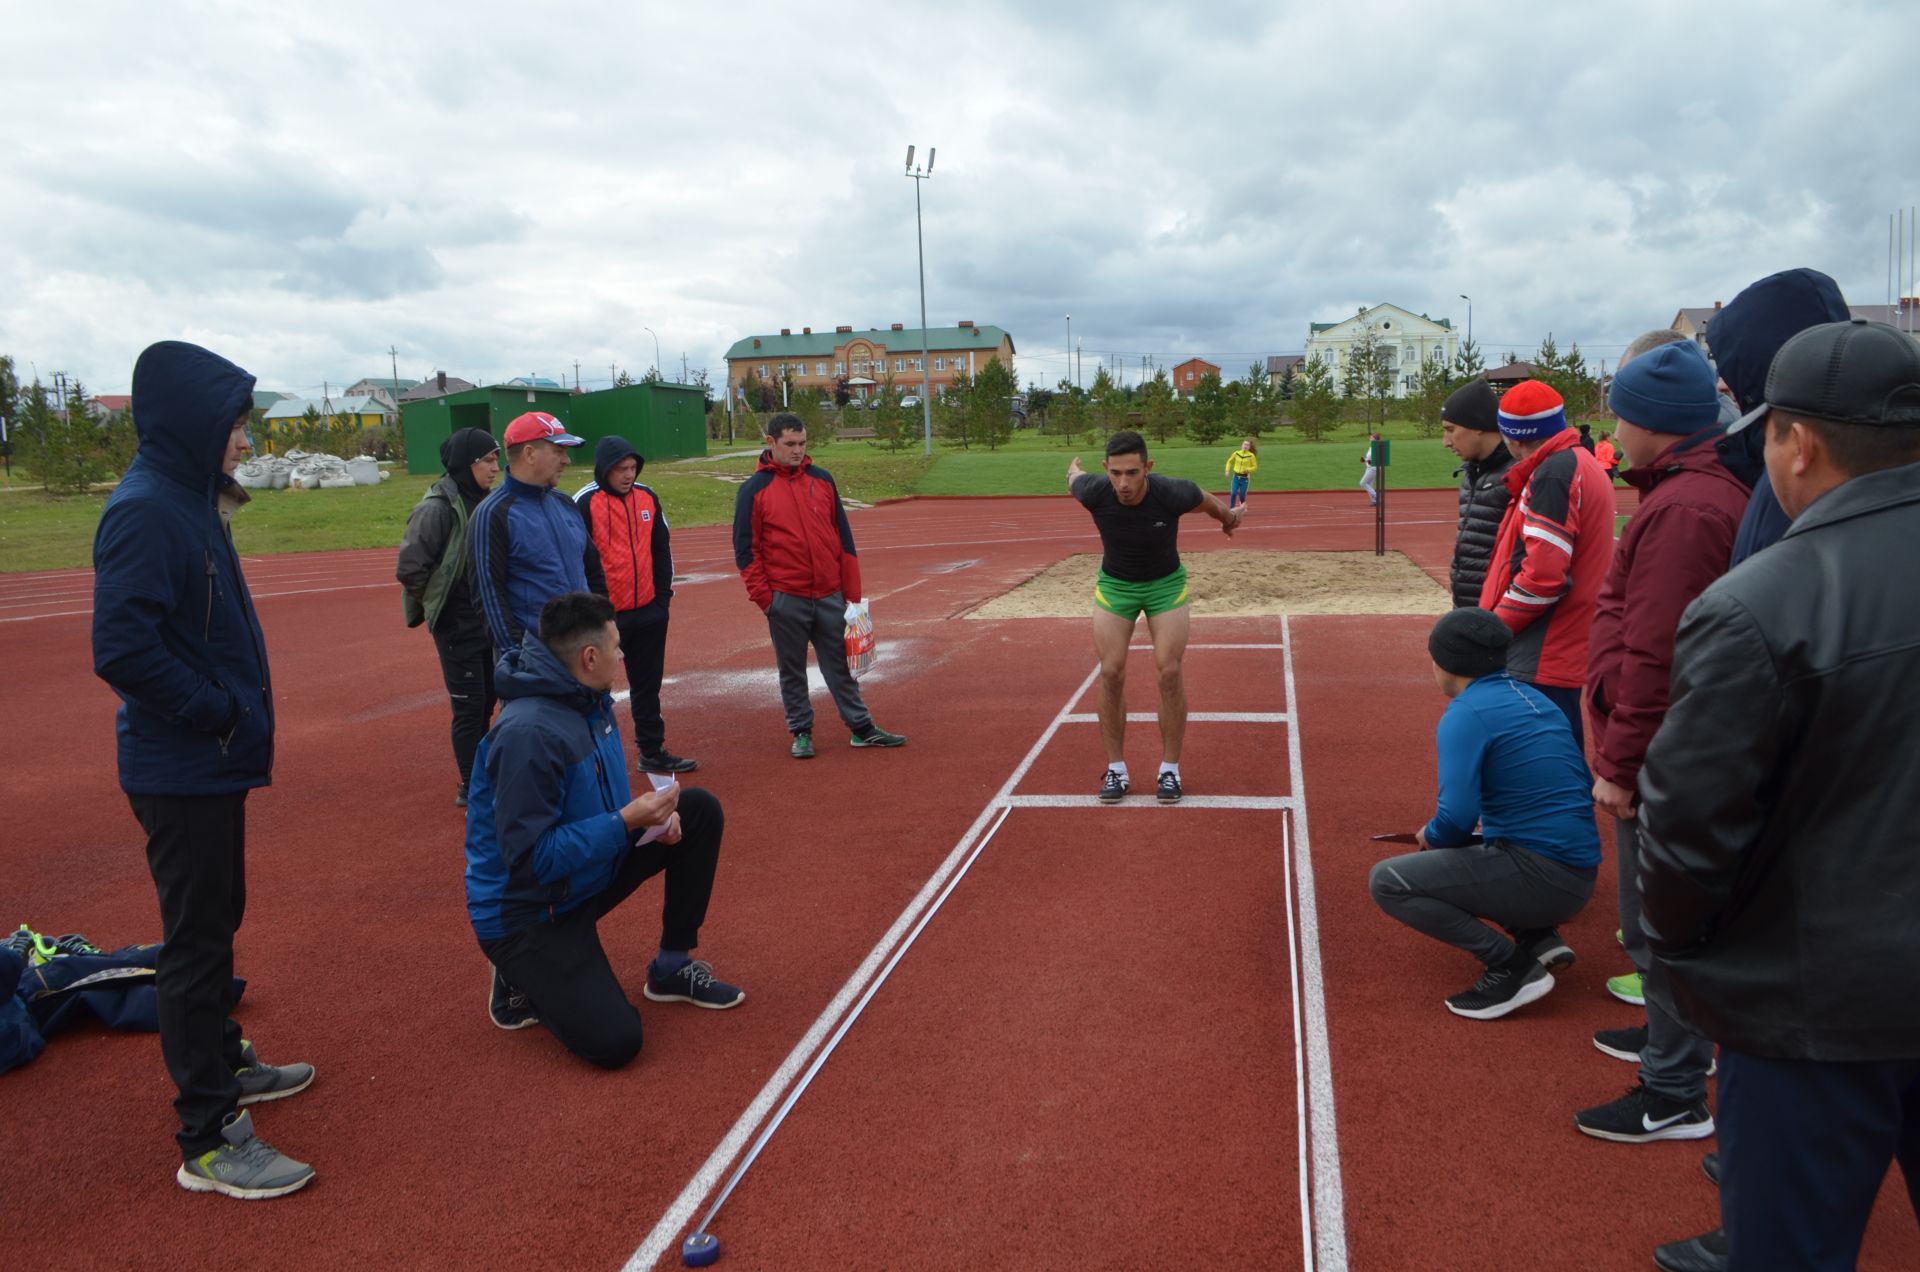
[1241, 465]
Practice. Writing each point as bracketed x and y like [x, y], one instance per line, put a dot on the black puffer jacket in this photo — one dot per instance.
[1483, 502]
[1779, 870]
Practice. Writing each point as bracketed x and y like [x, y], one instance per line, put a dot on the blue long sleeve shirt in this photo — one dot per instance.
[1508, 762]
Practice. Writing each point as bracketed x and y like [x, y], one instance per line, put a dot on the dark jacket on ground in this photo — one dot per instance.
[1781, 798]
[1673, 547]
[790, 534]
[544, 834]
[1556, 540]
[434, 565]
[530, 545]
[1743, 337]
[174, 630]
[629, 533]
[1483, 502]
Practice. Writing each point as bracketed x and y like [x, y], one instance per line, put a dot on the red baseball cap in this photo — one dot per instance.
[537, 426]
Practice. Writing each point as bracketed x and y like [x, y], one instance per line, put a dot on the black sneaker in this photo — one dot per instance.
[507, 1007]
[1710, 1167]
[1546, 947]
[693, 983]
[1505, 988]
[1622, 1044]
[877, 736]
[460, 796]
[1113, 787]
[1708, 1252]
[665, 761]
[1166, 788]
[1641, 1117]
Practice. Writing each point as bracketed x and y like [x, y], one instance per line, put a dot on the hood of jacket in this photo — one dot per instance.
[1693, 453]
[532, 671]
[609, 452]
[459, 453]
[185, 400]
[1744, 336]
[1522, 470]
[768, 466]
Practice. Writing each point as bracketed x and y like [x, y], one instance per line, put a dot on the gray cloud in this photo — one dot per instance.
[497, 190]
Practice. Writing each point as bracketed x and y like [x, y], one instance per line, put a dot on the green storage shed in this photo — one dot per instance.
[662, 421]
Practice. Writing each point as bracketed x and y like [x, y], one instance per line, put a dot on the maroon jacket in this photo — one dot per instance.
[790, 534]
[1676, 544]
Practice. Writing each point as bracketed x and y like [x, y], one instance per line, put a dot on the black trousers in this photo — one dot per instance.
[561, 966]
[1804, 1148]
[643, 647]
[796, 622]
[196, 851]
[466, 664]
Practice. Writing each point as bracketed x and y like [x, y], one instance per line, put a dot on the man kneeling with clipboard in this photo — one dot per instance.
[1508, 763]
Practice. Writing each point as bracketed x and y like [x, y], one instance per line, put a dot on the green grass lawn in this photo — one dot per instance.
[45, 532]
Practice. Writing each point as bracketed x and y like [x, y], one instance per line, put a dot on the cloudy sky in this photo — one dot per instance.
[498, 190]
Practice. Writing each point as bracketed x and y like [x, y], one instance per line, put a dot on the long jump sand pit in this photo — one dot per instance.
[1233, 583]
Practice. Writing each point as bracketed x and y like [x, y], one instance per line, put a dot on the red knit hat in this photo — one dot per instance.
[1531, 411]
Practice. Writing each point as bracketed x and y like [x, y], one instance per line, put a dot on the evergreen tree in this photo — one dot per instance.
[1467, 360]
[1431, 390]
[1160, 411]
[993, 392]
[1316, 404]
[1207, 420]
[70, 457]
[953, 416]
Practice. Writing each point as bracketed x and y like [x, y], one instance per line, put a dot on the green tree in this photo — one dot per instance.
[891, 423]
[953, 417]
[1430, 392]
[118, 442]
[1567, 373]
[1039, 403]
[70, 455]
[1108, 405]
[1207, 418]
[1368, 382]
[993, 392]
[1284, 389]
[1316, 404]
[1160, 411]
[1467, 360]
[1252, 413]
[622, 380]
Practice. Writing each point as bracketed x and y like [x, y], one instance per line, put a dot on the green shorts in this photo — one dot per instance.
[1129, 600]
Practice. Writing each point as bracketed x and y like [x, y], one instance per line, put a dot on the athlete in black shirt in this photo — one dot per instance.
[1138, 516]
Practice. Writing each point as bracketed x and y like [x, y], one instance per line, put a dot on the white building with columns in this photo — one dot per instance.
[1409, 339]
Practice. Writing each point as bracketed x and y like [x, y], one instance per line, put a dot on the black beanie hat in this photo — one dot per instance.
[1469, 642]
[1473, 405]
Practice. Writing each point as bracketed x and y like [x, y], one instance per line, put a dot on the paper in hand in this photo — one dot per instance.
[661, 781]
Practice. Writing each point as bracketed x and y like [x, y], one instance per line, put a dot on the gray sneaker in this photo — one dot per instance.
[260, 1082]
[803, 746]
[246, 1166]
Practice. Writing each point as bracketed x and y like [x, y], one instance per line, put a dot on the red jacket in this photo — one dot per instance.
[631, 535]
[1679, 541]
[1555, 543]
[790, 534]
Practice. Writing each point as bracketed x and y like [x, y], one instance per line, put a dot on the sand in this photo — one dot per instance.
[1234, 583]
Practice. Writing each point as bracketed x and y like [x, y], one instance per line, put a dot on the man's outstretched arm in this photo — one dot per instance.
[1229, 518]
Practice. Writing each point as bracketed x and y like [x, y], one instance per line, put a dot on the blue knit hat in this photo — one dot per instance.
[1667, 389]
[1531, 411]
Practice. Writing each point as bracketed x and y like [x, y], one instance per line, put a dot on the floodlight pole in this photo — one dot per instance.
[657, 369]
[919, 241]
[1469, 301]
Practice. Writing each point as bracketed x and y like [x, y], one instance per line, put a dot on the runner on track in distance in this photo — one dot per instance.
[1138, 516]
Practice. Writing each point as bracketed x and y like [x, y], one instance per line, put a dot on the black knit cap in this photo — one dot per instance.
[1469, 642]
[1473, 405]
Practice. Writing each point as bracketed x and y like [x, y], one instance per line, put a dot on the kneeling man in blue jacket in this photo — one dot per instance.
[556, 840]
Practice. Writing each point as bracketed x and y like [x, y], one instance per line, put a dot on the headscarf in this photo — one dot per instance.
[459, 453]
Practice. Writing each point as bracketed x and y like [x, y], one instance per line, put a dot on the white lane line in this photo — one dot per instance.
[666, 1233]
[800, 1087]
[258, 596]
[896, 591]
[1254, 803]
[1330, 1237]
[1299, 1052]
[1137, 648]
[1193, 717]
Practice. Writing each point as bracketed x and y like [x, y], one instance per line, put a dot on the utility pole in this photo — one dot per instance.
[920, 245]
[393, 356]
[576, 375]
[613, 376]
[683, 366]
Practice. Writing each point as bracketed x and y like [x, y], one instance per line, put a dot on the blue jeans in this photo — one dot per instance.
[1238, 494]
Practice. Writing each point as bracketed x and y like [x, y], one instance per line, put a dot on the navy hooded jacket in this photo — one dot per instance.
[174, 631]
[544, 833]
[1743, 338]
[529, 545]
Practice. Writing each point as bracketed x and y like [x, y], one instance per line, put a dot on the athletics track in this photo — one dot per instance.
[1126, 1037]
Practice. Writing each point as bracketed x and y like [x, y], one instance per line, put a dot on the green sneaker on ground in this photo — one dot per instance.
[803, 746]
[1627, 989]
[260, 1082]
[877, 736]
[245, 1166]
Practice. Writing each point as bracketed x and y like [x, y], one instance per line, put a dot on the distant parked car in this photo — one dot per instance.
[911, 403]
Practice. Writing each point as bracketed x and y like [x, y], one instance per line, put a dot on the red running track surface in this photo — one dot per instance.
[1088, 1055]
